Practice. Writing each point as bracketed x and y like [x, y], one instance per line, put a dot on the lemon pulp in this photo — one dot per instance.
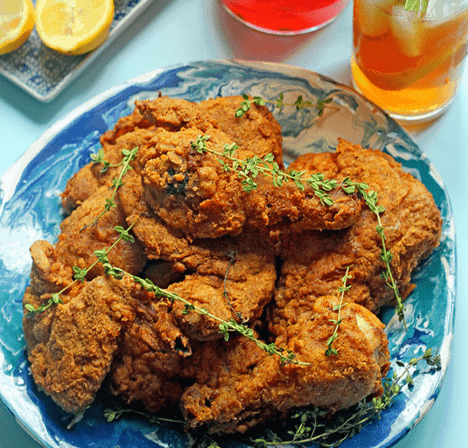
[16, 23]
[74, 26]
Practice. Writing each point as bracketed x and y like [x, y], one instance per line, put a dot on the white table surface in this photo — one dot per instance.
[176, 31]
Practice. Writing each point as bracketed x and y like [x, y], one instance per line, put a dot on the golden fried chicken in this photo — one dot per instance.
[257, 131]
[244, 386]
[315, 262]
[232, 277]
[86, 231]
[71, 346]
[195, 194]
[92, 176]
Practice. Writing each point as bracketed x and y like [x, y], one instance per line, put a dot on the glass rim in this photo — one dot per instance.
[444, 9]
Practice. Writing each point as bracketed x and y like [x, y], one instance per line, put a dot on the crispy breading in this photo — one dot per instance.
[73, 353]
[315, 262]
[257, 131]
[81, 235]
[92, 176]
[193, 193]
[244, 386]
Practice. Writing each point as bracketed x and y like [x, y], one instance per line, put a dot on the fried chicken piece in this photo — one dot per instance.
[125, 125]
[47, 274]
[81, 235]
[172, 114]
[92, 176]
[244, 386]
[72, 349]
[257, 131]
[232, 277]
[315, 262]
[71, 346]
[193, 193]
[145, 368]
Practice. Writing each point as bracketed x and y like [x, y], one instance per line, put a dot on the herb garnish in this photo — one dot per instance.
[80, 274]
[386, 256]
[342, 289]
[314, 425]
[279, 103]
[419, 6]
[129, 155]
[248, 169]
[225, 327]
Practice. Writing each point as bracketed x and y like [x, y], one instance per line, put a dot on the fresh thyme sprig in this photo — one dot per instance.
[279, 103]
[370, 198]
[112, 415]
[129, 156]
[342, 289]
[81, 273]
[54, 300]
[315, 425]
[248, 169]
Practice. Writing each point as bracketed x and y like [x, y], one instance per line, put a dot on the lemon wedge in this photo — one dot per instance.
[16, 23]
[74, 26]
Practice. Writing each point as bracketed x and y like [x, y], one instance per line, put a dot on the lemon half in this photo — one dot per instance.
[74, 26]
[16, 23]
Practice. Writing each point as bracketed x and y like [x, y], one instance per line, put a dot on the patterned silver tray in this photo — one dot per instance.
[44, 73]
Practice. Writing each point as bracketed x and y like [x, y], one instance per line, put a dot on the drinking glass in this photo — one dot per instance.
[285, 16]
[408, 55]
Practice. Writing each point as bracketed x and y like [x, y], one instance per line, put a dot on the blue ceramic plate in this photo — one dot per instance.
[30, 210]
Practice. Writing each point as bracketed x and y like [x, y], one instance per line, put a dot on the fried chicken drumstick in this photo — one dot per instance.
[270, 261]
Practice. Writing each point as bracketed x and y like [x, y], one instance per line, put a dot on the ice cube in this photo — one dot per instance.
[373, 16]
[439, 11]
[407, 30]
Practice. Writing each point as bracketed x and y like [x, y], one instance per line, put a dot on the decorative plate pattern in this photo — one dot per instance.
[30, 210]
[44, 73]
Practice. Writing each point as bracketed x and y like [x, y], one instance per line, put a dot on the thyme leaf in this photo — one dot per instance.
[129, 156]
[279, 103]
[342, 290]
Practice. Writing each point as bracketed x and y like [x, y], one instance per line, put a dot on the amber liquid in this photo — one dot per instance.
[413, 79]
[285, 16]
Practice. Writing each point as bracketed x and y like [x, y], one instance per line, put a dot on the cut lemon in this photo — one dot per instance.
[74, 26]
[16, 23]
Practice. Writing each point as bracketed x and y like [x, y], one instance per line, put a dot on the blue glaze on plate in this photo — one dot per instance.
[30, 210]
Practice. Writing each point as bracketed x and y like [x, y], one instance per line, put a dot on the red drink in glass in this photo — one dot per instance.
[285, 16]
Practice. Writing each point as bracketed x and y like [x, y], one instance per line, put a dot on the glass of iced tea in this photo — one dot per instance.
[408, 55]
[285, 16]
